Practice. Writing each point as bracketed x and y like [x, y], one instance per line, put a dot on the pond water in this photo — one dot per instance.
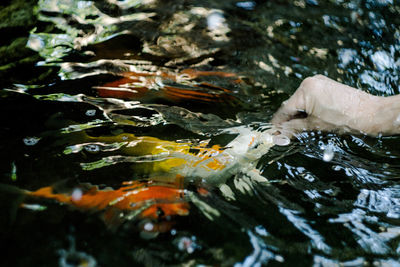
[118, 116]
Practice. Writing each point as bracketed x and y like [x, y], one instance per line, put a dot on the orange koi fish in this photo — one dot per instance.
[145, 200]
[135, 85]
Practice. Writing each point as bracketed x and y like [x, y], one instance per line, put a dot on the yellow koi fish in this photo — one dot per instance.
[213, 164]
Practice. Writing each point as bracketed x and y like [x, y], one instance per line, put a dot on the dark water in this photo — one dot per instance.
[60, 127]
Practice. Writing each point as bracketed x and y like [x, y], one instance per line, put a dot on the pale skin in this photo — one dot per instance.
[321, 103]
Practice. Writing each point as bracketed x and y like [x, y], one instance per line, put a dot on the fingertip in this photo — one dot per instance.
[280, 136]
[281, 140]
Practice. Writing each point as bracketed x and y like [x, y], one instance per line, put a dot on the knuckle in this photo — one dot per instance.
[312, 83]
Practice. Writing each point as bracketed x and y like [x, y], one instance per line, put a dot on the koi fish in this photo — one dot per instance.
[214, 164]
[142, 200]
[152, 201]
[135, 85]
[148, 155]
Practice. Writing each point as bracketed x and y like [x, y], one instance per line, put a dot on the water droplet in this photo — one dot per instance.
[148, 226]
[187, 244]
[31, 141]
[90, 112]
[190, 250]
[279, 258]
[173, 232]
[328, 153]
[76, 195]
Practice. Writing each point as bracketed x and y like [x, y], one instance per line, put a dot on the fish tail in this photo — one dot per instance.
[13, 198]
[12, 189]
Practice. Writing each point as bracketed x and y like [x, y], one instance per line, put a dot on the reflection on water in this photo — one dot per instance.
[145, 129]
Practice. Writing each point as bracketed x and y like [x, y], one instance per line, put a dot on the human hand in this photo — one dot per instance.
[323, 104]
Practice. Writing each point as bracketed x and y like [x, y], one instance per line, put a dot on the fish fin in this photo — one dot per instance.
[202, 93]
[12, 189]
[63, 186]
[13, 197]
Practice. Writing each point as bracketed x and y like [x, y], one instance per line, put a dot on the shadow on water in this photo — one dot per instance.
[118, 118]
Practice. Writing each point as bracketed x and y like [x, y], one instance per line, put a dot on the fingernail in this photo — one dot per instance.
[281, 140]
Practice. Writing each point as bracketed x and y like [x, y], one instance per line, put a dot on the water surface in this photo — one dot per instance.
[84, 82]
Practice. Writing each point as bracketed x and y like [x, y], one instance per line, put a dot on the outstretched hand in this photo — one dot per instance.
[323, 104]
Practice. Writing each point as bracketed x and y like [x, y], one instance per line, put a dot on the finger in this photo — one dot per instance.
[292, 108]
[311, 123]
[287, 113]
[293, 127]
